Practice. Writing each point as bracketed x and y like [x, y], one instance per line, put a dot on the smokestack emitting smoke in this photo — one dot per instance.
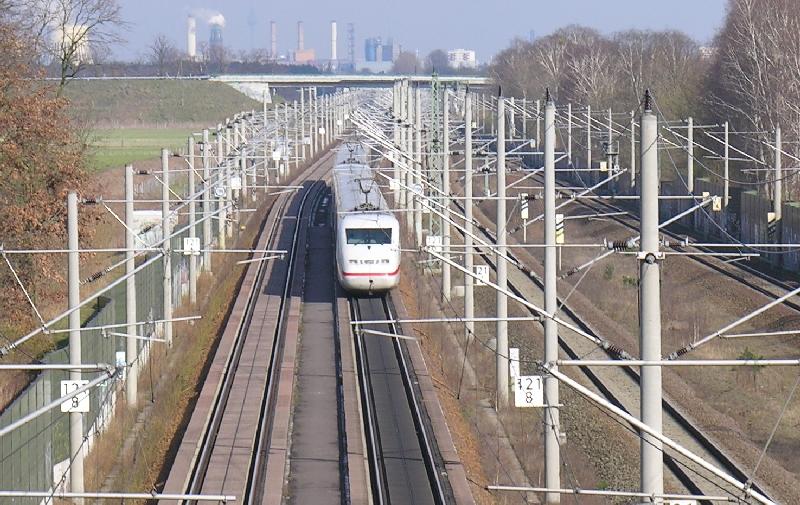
[273, 48]
[333, 40]
[300, 36]
[210, 16]
[217, 19]
[191, 37]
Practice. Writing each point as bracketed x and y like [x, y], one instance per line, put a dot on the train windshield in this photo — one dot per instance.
[368, 236]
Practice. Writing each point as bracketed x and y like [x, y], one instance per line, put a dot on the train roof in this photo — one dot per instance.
[351, 152]
[357, 189]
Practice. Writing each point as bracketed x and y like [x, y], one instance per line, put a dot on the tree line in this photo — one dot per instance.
[749, 74]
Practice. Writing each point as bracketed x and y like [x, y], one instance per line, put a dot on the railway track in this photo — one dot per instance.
[232, 449]
[404, 462]
[691, 480]
[732, 270]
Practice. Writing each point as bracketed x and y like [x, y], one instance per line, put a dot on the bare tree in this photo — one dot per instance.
[669, 63]
[437, 61]
[591, 75]
[163, 54]
[757, 75]
[70, 32]
[516, 69]
[552, 54]
[406, 63]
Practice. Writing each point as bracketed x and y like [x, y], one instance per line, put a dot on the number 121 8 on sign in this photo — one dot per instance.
[528, 391]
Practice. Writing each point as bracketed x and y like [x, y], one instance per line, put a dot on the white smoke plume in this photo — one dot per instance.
[211, 16]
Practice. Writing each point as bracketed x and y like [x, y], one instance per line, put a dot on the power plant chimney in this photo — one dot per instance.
[300, 37]
[273, 48]
[333, 41]
[191, 38]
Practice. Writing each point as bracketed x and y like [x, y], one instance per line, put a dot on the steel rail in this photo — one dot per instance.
[202, 459]
[377, 474]
[428, 447]
[261, 446]
[223, 393]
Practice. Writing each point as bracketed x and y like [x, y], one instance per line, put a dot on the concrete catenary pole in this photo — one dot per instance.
[166, 230]
[222, 204]
[469, 300]
[726, 166]
[74, 295]
[401, 144]
[569, 134]
[285, 161]
[489, 100]
[610, 139]
[777, 187]
[446, 282]
[228, 145]
[512, 126]
[131, 344]
[192, 223]
[552, 456]
[229, 197]
[690, 155]
[264, 96]
[633, 149]
[652, 469]
[219, 144]
[328, 122]
[296, 123]
[315, 119]
[418, 165]
[411, 166]
[396, 139]
[207, 241]
[524, 119]
[302, 124]
[589, 139]
[538, 123]
[500, 260]
[324, 121]
[243, 175]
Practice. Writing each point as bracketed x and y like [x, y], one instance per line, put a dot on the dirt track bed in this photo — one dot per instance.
[737, 407]
[600, 453]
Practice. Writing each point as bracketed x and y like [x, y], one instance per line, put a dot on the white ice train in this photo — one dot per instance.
[367, 232]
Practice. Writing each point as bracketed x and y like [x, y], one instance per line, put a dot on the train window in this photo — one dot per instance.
[368, 236]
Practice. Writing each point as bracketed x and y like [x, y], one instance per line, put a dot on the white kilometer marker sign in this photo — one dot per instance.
[482, 274]
[528, 391]
[191, 246]
[434, 243]
[79, 402]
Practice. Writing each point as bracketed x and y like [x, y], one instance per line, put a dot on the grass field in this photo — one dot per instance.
[146, 103]
[116, 147]
[131, 120]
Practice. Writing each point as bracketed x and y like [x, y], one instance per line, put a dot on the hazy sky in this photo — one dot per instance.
[485, 26]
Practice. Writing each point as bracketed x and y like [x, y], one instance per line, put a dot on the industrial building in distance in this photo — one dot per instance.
[462, 58]
[379, 56]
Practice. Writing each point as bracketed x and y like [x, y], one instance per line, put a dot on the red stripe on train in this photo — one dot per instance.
[371, 274]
